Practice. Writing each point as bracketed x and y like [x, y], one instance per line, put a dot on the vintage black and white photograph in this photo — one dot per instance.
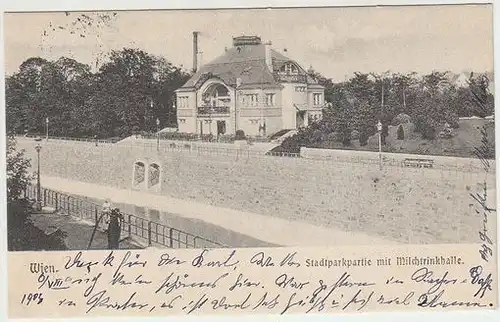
[222, 128]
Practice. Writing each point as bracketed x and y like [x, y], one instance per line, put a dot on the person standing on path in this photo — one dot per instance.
[114, 229]
[106, 211]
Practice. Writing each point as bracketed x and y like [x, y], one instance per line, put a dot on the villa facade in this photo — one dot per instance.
[250, 87]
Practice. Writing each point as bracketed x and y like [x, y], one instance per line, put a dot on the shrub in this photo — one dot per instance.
[363, 138]
[426, 127]
[401, 119]
[226, 138]
[240, 135]
[355, 135]
[177, 136]
[401, 132]
[18, 176]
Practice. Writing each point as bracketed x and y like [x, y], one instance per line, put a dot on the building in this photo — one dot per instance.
[249, 87]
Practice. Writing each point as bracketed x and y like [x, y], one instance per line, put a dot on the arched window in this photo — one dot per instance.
[215, 95]
[139, 173]
[153, 175]
[222, 91]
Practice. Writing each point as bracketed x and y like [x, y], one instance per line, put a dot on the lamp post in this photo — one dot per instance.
[47, 129]
[379, 129]
[174, 112]
[38, 204]
[238, 85]
[157, 134]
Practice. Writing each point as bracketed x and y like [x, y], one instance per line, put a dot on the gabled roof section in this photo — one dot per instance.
[245, 62]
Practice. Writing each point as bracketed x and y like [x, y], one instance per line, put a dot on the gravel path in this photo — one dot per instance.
[77, 232]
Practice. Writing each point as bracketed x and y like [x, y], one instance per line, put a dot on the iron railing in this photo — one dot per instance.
[209, 110]
[134, 227]
[247, 153]
[290, 78]
[59, 138]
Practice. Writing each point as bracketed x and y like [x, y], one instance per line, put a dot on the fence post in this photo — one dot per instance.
[170, 238]
[129, 226]
[149, 233]
[44, 197]
[56, 201]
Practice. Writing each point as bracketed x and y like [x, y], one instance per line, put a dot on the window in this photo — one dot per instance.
[183, 102]
[250, 99]
[139, 174]
[317, 98]
[289, 69]
[300, 88]
[270, 99]
[153, 175]
[222, 91]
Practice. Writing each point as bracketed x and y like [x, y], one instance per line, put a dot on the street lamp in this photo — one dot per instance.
[157, 134]
[174, 112]
[38, 204]
[238, 85]
[379, 129]
[47, 129]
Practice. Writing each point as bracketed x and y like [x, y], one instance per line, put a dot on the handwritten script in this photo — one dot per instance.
[274, 281]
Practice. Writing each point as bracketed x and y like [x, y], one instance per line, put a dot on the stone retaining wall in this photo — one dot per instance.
[404, 204]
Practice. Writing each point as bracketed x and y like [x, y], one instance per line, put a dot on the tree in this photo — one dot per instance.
[338, 117]
[126, 95]
[404, 88]
[432, 105]
[18, 176]
[478, 99]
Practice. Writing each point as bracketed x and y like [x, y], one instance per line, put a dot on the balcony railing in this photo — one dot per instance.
[210, 110]
[288, 78]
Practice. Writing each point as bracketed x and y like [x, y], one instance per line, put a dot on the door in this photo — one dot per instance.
[221, 127]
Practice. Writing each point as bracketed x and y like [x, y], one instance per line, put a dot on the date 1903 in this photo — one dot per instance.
[32, 298]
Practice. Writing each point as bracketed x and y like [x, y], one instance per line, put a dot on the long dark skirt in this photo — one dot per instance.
[113, 233]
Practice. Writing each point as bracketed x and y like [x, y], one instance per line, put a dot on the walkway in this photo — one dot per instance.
[268, 229]
[76, 232]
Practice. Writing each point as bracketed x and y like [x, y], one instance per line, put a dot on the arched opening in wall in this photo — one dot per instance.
[216, 95]
[139, 174]
[153, 175]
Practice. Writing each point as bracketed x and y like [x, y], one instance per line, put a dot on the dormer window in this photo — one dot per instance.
[289, 69]
[317, 99]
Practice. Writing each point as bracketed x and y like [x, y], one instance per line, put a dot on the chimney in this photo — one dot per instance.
[269, 60]
[200, 60]
[195, 51]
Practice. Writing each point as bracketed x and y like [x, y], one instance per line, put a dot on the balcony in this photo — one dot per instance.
[290, 78]
[213, 110]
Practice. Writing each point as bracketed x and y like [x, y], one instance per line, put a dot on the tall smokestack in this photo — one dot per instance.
[269, 61]
[195, 51]
[200, 60]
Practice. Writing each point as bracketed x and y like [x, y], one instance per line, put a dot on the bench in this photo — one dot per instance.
[418, 163]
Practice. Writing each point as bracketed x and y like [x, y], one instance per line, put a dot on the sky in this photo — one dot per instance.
[334, 41]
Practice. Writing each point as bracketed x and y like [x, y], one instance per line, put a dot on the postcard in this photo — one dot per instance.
[302, 160]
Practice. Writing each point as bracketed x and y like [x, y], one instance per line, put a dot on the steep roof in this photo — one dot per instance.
[245, 62]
